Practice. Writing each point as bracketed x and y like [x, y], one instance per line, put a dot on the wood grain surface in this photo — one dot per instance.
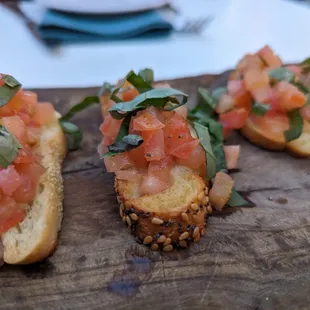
[250, 258]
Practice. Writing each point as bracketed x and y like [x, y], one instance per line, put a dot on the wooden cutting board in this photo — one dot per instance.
[250, 258]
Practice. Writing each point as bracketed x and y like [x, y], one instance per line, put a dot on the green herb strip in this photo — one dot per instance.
[73, 133]
[296, 125]
[236, 200]
[9, 89]
[282, 74]
[147, 75]
[9, 147]
[165, 98]
[260, 109]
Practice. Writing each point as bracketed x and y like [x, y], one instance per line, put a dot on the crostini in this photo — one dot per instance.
[32, 148]
[160, 163]
[268, 102]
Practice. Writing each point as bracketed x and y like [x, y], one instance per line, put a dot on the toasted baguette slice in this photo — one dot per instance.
[299, 147]
[36, 237]
[168, 219]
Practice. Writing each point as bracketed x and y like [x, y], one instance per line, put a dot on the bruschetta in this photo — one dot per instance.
[159, 162]
[32, 148]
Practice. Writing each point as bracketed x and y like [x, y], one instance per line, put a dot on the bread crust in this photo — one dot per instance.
[36, 237]
[170, 219]
[299, 147]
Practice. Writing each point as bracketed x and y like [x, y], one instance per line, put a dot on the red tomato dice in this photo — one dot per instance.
[290, 96]
[10, 214]
[26, 192]
[117, 162]
[137, 157]
[45, 113]
[269, 57]
[234, 119]
[128, 175]
[225, 104]
[255, 79]
[196, 159]
[161, 168]
[154, 145]
[9, 180]
[146, 121]
[151, 185]
[110, 127]
[185, 150]
[16, 126]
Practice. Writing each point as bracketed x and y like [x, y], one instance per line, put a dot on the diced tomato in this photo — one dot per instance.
[25, 155]
[225, 104]
[106, 141]
[32, 170]
[33, 135]
[176, 133]
[185, 150]
[154, 145]
[45, 113]
[232, 153]
[234, 119]
[242, 98]
[10, 214]
[182, 110]
[272, 60]
[117, 162]
[25, 117]
[255, 79]
[129, 175]
[110, 127]
[147, 121]
[26, 192]
[196, 159]
[290, 96]
[16, 126]
[263, 94]
[305, 112]
[137, 157]
[30, 101]
[129, 94]
[250, 62]
[161, 168]
[152, 185]
[9, 180]
[294, 69]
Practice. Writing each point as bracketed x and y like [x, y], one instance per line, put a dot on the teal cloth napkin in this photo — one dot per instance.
[59, 27]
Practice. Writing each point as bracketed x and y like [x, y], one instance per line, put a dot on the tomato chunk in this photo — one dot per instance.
[196, 159]
[234, 119]
[129, 94]
[290, 96]
[154, 145]
[185, 150]
[45, 114]
[161, 168]
[225, 104]
[232, 153]
[129, 175]
[110, 127]
[10, 214]
[137, 157]
[26, 192]
[152, 185]
[117, 162]
[147, 121]
[9, 180]
[255, 79]
[269, 57]
[16, 126]
[248, 62]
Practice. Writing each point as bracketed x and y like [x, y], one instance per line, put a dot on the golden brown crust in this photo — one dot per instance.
[260, 138]
[36, 237]
[299, 147]
[169, 219]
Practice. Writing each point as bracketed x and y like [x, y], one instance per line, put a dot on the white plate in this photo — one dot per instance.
[102, 6]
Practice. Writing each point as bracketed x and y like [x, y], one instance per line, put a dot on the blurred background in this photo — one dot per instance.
[78, 43]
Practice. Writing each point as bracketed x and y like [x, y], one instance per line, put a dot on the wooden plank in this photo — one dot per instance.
[250, 258]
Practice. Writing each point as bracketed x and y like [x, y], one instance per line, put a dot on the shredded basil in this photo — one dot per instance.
[296, 125]
[260, 109]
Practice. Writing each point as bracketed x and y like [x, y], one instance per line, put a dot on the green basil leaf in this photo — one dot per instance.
[147, 75]
[260, 109]
[165, 98]
[205, 141]
[301, 87]
[282, 74]
[218, 92]
[305, 65]
[127, 143]
[87, 102]
[9, 147]
[73, 133]
[236, 200]
[296, 125]
[206, 103]
[138, 82]
[9, 89]
[106, 88]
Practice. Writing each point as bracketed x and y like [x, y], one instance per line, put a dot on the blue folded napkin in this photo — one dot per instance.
[59, 27]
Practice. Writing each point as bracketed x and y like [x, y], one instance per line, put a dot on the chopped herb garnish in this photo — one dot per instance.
[8, 90]
[73, 133]
[236, 200]
[147, 75]
[260, 109]
[282, 74]
[9, 147]
[126, 144]
[296, 125]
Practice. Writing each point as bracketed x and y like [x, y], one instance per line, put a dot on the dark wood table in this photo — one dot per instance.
[250, 258]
